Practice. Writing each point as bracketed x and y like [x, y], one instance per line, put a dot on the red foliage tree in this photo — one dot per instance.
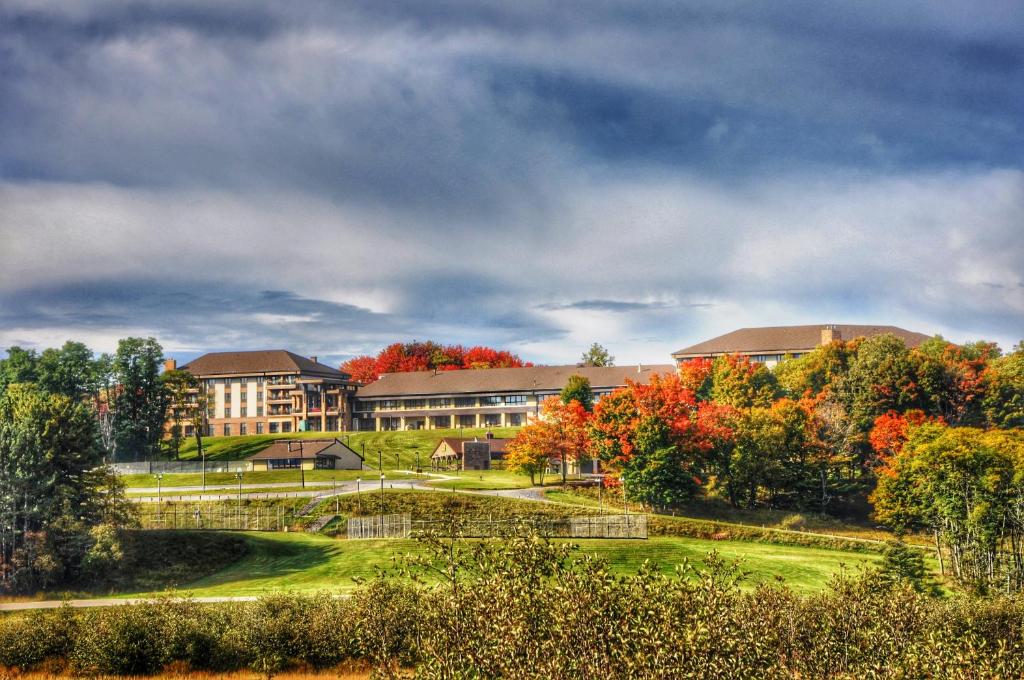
[426, 356]
[891, 431]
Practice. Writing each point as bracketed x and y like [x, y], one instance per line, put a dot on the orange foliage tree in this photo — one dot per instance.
[426, 356]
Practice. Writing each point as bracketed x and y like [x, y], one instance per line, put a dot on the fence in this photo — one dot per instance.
[598, 526]
[380, 526]
[171, 466]
[218, 516]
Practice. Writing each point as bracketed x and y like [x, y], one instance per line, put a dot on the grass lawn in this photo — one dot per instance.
[487, 479]
[308, 562]
[171, 480]
[405, 444]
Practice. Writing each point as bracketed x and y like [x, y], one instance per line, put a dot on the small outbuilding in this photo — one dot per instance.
[468, 454]
[309, 454]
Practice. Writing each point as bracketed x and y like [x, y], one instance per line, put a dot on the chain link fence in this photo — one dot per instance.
[219, 516]
[380, 526]
[597, 526]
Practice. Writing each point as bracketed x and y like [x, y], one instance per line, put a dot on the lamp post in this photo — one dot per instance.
[382, 505]
[359, 498]
[238, 476]
[337, 502]
[600, 495]
[159, 496]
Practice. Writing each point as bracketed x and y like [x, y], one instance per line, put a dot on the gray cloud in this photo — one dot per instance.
[524, 174]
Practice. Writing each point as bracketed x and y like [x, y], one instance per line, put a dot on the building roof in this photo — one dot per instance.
[497, 445]
[300, 448]
[260, 361]
[775, 339]
[469, 381]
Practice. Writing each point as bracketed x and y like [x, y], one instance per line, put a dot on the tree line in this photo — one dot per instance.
[847, 423]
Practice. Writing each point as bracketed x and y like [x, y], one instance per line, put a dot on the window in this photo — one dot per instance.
[259, 380]
[442, 421]
[415, 403]
[441, 403]
[243, 412]
[389, 404]
[209, 431]
[259, 428]
[467, 421]
[273, 428]
[286, 427]
[227, 429]
[492, 420]
[188, 430]
[515, 419]
[243, 428]
[462, 402]
[259, 411]
[245, 395]
[245, 381]
[515, 400]
[490, 401]
[283, 463]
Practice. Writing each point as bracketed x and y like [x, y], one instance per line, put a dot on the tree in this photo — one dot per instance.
[881, 378]
[530, 450]
[741, 383]
[52, 486]
[815, 372]
[139, 402]
[597, 355]
[1003, 401]
[571, 434]
[20, 366]
[70, 371]
[426, 356]
[578, 388]
[904, 564]
[185, 405]
[950, 379]
[695, 375]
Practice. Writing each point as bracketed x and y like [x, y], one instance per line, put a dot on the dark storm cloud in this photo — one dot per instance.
[533, 174]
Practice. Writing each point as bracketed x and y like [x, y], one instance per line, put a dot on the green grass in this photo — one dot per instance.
[486, 479]
[171, 480]
[405, 444]
[277, 562]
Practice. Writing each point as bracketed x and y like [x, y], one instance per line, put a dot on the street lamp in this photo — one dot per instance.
[337, 502]
[238, 476]
[159, 497]
[382, 505]
[359, 498]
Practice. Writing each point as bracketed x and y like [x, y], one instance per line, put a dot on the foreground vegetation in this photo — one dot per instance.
[529, 608]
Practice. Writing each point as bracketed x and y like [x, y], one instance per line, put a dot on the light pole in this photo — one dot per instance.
[382, 505]
[359, 498]
[398, 464]
[159, 496]
[600, 495]
[238, 476]
[337, 502]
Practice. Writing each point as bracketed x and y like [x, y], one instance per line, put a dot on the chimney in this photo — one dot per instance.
[830, 333]
[313, 359]
[170, 364]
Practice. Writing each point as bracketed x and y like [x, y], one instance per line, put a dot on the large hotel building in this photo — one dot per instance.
[275, 391]
[494, 397]
[270, 391]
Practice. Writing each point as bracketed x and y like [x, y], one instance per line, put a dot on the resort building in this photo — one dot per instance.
[493, 397]
[769, 345]
[309, 454]
[269, 392]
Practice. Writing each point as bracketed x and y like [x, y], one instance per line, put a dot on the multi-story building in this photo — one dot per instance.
[269, 391]
[769, 345]
[494, 397]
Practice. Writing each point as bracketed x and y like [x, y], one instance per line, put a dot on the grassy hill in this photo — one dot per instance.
[275, 562]
[405, 445]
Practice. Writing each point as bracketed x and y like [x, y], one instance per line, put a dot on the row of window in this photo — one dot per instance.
[447, 422]
[445, 402]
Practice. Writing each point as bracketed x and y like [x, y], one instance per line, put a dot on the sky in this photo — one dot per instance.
[330, 177]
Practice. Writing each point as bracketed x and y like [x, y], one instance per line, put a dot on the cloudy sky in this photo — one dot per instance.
[331, 176]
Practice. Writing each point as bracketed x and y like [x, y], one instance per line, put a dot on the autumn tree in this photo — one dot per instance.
[1003, 401]
[950, 379]
[811, 374]
[695, 375]
[881, 377]
[571, 433]
[578, 388]
[530, 450]
[741, 383]
[426, 356]
[597, 355]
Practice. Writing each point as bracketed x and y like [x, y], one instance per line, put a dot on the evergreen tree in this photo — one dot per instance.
[139, 403]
